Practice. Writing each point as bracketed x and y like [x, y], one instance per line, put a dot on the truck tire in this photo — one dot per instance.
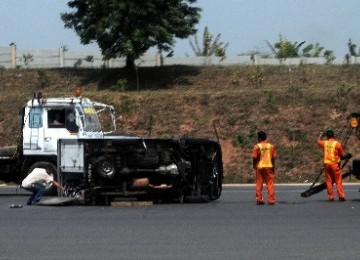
[216, 187]
[106, 168]
[217, 177]
[51, 189]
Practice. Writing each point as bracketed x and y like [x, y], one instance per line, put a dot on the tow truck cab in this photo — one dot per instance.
[47, 120]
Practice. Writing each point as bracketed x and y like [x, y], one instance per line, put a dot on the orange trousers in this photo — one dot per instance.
[265, 175]
[333, 174]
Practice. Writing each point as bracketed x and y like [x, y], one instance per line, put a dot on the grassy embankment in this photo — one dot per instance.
[292, 104]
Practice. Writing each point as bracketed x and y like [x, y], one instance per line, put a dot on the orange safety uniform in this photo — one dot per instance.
[264, 155]
[333, 152]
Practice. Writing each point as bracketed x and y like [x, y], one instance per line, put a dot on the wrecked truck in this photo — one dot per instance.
[97, 167]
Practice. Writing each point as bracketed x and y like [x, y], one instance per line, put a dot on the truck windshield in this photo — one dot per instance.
[90, 120]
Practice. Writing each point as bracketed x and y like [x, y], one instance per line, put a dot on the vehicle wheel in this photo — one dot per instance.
[106, 168]
[216, 187]
[50, 189]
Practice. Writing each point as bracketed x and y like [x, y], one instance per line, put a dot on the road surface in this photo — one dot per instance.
[230, 228]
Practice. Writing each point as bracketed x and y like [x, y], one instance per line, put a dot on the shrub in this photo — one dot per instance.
[126, 105]
[43, 78]
[257, 77]
[342, 96]
[121, 85]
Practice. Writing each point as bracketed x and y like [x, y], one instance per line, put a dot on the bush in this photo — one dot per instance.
[121, 85]
[43, 78]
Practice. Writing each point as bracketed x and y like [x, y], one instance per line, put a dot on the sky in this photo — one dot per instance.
[245, 24]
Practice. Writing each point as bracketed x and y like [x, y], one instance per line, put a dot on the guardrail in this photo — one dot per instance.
[11, 58]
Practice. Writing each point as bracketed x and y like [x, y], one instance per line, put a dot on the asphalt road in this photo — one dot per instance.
[230, 228]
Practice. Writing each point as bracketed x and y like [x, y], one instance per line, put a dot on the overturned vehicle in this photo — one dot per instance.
[170, 170]
[96, 166]
[99, 167]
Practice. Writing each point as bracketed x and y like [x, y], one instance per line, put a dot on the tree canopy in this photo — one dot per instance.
[352, 49]
[128, 28]
[210, 45]
[285, 49]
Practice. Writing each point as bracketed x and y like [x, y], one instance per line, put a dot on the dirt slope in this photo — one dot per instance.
[292, 104]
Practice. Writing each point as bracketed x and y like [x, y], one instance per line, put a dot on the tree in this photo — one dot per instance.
[128, 28]
[315, 51]
[210, 45]
[312, 50]
[284, 49]
[352, 49]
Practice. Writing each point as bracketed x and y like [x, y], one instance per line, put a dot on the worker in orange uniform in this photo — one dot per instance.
[333, 154]
[264, 164]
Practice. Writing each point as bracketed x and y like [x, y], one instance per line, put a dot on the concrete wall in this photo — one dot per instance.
[10, 57]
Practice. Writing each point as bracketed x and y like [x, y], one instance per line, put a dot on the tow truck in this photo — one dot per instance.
[97, 166]
[352, 127]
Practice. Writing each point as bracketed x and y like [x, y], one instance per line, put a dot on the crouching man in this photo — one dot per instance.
[37, 181]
